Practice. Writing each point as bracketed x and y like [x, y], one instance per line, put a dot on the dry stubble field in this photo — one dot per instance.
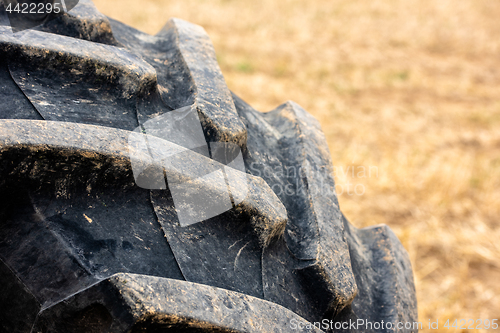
[409, 88]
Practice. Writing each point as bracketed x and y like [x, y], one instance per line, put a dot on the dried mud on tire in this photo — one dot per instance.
[83, 248]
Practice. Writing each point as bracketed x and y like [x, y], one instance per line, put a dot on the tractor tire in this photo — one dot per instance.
[115, 217]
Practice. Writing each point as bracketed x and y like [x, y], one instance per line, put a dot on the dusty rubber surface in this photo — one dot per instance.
[75, 224]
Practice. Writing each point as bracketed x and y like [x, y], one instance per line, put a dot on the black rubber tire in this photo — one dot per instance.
[88, 244]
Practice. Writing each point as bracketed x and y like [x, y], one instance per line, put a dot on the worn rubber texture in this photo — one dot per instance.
[87, 245]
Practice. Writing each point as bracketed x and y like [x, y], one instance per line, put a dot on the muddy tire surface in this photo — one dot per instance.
[139, 194]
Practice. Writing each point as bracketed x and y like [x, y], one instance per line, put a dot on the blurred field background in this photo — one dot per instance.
[410, 88]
